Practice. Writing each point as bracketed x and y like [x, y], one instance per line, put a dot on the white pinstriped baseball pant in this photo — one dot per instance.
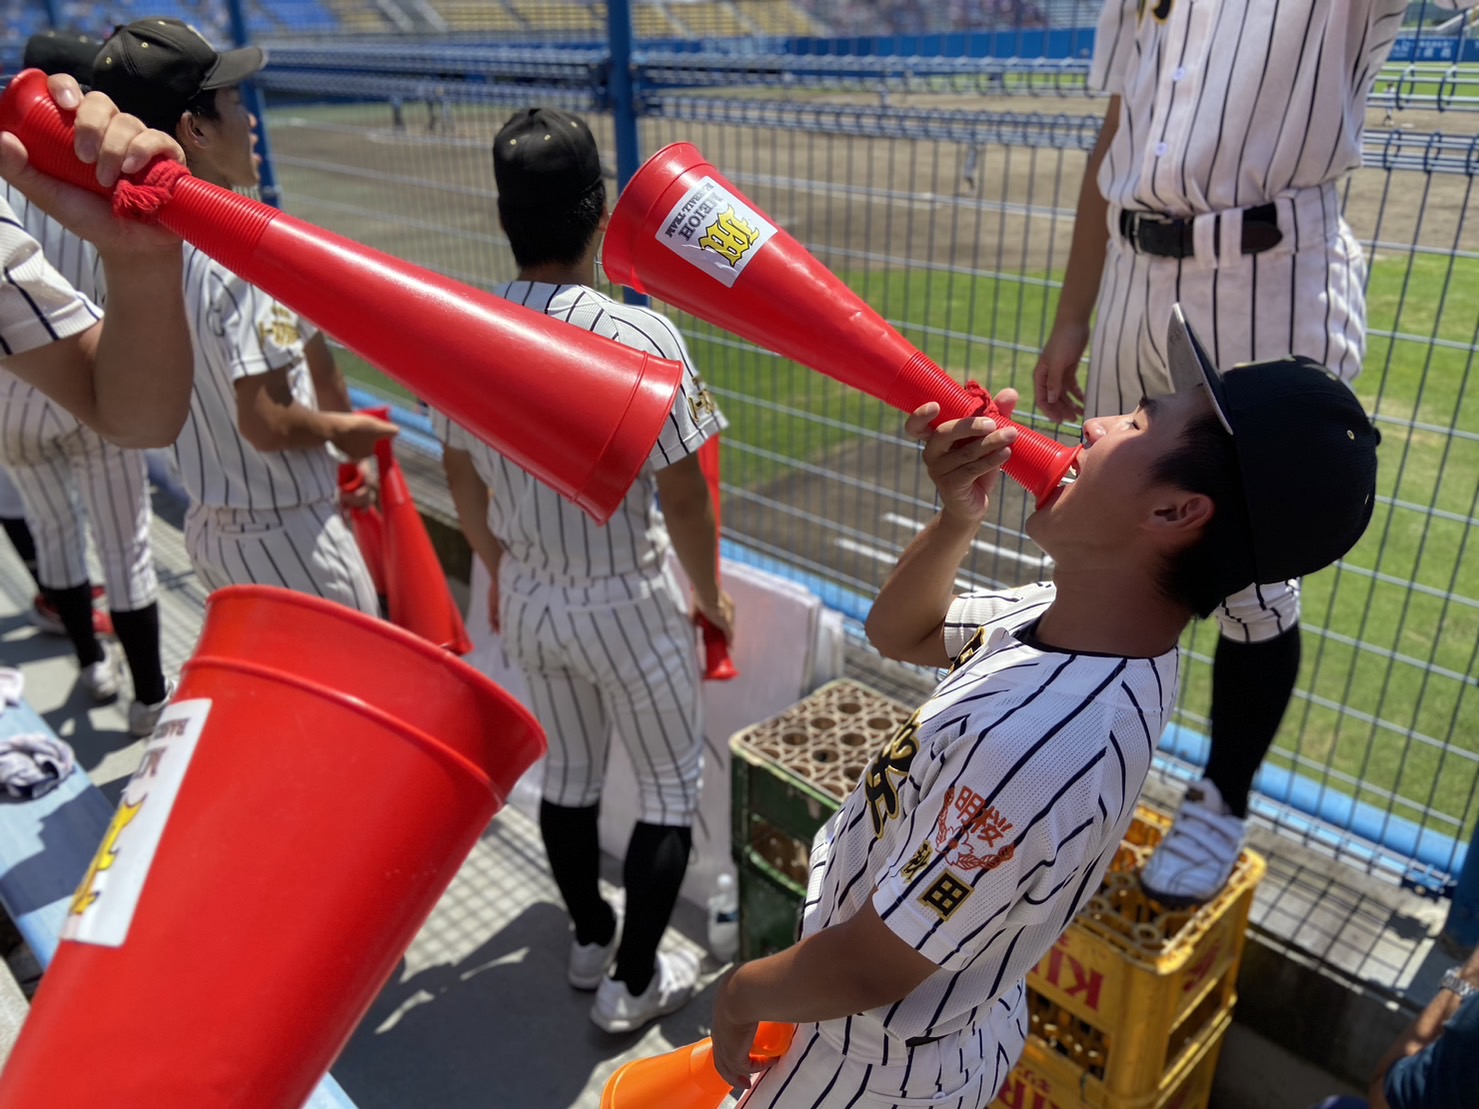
[66, 474]
[307, 548]
[618, 651]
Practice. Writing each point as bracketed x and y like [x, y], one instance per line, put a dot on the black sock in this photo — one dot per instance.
[1251, 686]
[657, 859]
[74, 606]
[573, 843]
[23, 542]
[138, 635]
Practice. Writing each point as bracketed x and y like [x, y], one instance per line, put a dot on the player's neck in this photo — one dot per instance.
[1111, 613]
[560, 273]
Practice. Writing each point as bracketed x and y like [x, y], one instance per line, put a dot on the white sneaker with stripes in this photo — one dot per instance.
[1199, 853]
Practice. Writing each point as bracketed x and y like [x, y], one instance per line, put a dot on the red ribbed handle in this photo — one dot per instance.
[28, 112]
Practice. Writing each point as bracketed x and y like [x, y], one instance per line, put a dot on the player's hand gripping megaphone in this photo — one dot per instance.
[686, 235]
[686, 1078]
[510, 375]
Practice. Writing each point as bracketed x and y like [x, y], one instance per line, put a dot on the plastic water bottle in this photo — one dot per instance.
[724, 918]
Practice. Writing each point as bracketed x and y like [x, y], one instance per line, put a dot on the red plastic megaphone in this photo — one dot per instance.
[367, 524]
[718, 666]
[508, 374]
[686, 235]
[416, 589]
[686, 1078]
[307, 797]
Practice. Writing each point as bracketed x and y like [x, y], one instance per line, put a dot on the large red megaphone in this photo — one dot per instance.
[683, 233]
[416, 589]
[686, 1078]
[509, 374]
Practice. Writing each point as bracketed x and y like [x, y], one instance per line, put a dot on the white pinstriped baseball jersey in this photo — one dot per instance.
[62, 466]
[1231, 104]
[37, 306]
[541, 530]
[238, 331]
[590, 613]
[977, 832]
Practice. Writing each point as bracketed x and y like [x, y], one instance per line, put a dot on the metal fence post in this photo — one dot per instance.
[252, 99]
[1462, 927]
[623, 103]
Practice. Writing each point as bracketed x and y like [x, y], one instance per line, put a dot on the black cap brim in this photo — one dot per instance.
[235, 66]
[1190, 367]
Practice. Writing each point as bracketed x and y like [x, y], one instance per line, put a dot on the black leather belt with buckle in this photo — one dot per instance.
[1169, 237]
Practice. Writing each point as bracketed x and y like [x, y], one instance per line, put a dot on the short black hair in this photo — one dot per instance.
[558, 235]
[203, 106]
[1204, 573]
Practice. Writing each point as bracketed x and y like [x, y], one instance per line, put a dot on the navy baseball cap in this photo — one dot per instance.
[543, 157]
[1306, 454]
[154, 68]
[62, 52]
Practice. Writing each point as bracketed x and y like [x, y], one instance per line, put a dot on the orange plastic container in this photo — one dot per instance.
[307, 797]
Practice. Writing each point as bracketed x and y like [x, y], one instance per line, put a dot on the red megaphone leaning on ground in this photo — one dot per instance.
[686, 235]
[507, 373]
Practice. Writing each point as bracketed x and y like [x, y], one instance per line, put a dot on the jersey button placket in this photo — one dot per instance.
[1187, 35]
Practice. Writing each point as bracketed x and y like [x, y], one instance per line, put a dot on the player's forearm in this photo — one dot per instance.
[470, 500]
[843, 970]
[906, 619]
[144, 366]
[1090, 235]
[286, 427]
[329, 386]
[688, 510]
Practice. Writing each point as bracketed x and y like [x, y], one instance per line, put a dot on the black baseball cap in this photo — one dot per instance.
[543, 157]
[62, 52]
[1306, 454]
[153, 68]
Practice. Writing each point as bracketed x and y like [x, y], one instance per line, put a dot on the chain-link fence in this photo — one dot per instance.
[930, 154]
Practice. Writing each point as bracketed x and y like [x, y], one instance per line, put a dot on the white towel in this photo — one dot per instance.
[33, 764]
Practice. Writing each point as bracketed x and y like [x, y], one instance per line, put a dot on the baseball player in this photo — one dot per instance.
[1214, 184]
[62, 467]
[130, 380]
[589, 612]
[981, 828]
[254, 452]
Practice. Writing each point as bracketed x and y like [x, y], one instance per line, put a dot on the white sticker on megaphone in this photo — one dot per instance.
[715, 231]
[103, 906]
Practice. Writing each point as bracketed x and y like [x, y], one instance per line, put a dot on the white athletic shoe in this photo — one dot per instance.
[673, 983]
[589, 962]
[102, 679]
[1199, 853]
[142, 718]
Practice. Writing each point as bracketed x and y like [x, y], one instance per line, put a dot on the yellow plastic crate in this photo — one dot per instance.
[1046, 1078]
[1137, 983]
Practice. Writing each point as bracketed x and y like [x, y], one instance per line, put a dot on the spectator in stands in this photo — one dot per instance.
[128, 380]
[1434, 1064]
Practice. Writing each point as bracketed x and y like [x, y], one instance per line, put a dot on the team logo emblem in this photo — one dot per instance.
[701, 404]
[281, 330]
[968, 652]
[973, 846]
[1161, 9]
[946, 895]
[881, 781]
[730, 236]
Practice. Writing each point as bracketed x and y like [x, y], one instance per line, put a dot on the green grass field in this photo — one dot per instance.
[1407, 595]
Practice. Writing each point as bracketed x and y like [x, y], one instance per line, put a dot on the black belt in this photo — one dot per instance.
[1171, 237]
